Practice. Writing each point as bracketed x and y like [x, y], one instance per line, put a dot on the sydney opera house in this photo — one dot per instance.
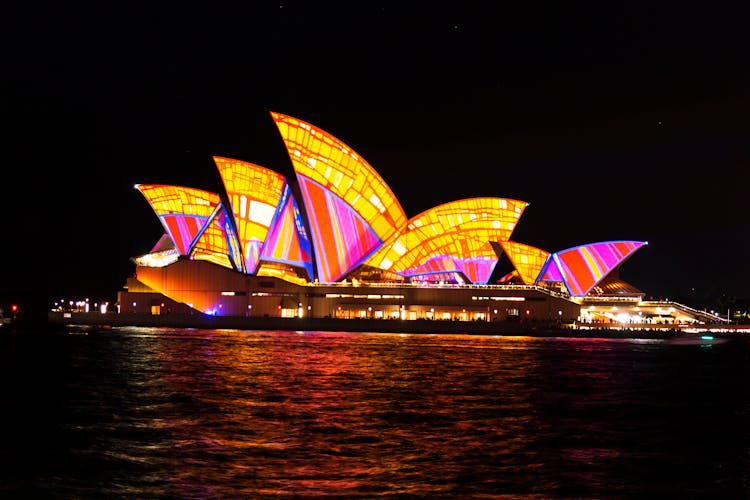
[334, 242]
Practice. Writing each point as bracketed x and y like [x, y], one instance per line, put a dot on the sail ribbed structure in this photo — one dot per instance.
[350, 208]
[454, 236]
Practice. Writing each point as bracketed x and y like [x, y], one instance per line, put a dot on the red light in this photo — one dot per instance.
[528, 312]
[14, 308]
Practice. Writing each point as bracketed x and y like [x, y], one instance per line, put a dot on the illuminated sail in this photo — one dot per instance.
[351, 202]
[460, 229]
[341, 237]
[582, 267]
[527, 260]
[183, 211]
[254, 193]
[477, 269]
[218, 242]
[287, 240]
[354, 219]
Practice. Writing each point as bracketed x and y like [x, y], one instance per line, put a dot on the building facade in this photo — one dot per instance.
[334, 242]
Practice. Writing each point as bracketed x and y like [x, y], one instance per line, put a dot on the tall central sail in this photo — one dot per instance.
[350, 208]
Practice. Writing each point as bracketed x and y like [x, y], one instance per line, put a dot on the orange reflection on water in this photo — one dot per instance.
[325, 411]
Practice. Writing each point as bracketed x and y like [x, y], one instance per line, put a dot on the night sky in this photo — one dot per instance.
[623, 121]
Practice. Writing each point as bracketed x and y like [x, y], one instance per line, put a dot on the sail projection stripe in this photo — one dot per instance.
[281, 242]
[476, 269]
[573, 268]
[583, 267]
[440, 263]
[339, 232]
[551, 271]
[285, 243]
[321, 232]
[251, 255]
[593, 263]
[183, 229]
[341, 237]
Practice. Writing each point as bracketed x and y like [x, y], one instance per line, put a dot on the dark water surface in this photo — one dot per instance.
[160, 413]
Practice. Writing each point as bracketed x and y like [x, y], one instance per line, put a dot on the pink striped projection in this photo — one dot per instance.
[287, 241]
[550, 271]
[183, 229]
[341, 238]
[477, 269]
[582, 267]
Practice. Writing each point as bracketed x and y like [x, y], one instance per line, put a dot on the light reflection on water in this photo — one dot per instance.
[157, 413]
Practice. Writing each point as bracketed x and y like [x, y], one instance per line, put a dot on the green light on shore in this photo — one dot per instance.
[707, 337]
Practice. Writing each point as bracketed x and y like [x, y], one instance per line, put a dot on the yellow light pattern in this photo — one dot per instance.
[166, 199]
[183, 211]
[281, 271]
[254, 193]
[216, 258]
[212, 245]
[527, 260]
[459, 228]
[328, 161]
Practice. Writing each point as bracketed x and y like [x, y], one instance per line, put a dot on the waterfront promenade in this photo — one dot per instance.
[60, 320]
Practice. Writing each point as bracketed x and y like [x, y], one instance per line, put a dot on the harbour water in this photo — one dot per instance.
[187, 413]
